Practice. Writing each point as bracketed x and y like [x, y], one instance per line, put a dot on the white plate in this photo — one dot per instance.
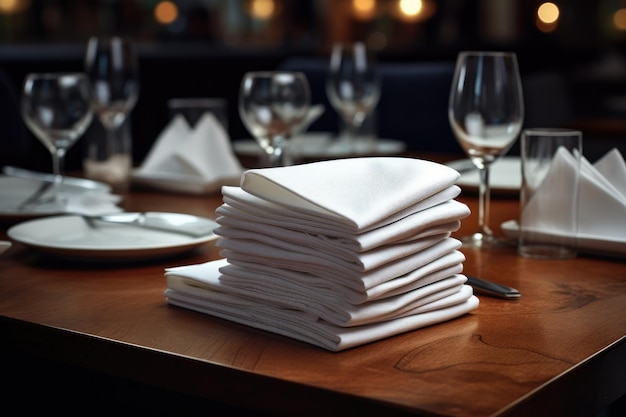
[505, 175]
[14, 190]
[70, 236]
[596, 245]
[320, 145]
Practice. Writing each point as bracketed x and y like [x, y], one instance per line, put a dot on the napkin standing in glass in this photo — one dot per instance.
[550, 193]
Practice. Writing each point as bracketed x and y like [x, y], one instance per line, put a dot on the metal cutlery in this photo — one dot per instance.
[179, 223]
[493, 289]
[36, 196]
[50, 178]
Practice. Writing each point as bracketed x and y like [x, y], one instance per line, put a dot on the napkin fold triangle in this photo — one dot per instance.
[335, 253]
[602, 197]
[194, 160]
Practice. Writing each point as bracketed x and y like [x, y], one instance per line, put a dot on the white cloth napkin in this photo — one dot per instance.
[194, 160]
[354, 193]
[335, 253]
[14, 191]
[602, 203]
[198, 287]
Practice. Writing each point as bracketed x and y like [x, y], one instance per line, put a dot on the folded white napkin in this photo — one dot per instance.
[317, 286]
[354, 193]
[602, 202]
[194, 160]
[198, 287]
[241, 205]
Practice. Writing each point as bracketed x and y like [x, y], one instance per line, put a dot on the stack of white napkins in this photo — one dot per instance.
[196, 160]
[335, 253]
[602, 202]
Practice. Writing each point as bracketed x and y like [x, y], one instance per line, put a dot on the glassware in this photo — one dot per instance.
[352, 87]
[112, 67]
[56, 108]
[486, 112]
[273, 105]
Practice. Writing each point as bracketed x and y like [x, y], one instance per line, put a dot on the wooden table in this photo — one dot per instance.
[102, 334]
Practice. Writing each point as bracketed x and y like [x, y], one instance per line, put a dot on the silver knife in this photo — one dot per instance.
[179, 223]
[46, 177]
[493, 289]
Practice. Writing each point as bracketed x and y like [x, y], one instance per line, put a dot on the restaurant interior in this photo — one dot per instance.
[571, 55]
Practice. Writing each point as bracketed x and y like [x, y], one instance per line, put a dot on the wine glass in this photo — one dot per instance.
[272, 105]
[56, 108]
[112, 66]
[352, 86]
[486, 111]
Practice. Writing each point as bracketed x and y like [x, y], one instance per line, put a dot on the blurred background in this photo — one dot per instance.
[572, 53]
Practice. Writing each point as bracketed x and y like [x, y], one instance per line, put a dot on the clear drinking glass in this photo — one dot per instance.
[56, 107]
[352, 86]
[486, 112]
[273, 105]
[112, 66]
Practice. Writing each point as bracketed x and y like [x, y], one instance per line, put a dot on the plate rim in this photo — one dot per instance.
[125, 252]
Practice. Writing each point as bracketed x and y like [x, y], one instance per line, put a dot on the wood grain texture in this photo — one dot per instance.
[558, 350]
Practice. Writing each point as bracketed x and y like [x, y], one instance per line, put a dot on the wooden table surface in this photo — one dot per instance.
[559, 350]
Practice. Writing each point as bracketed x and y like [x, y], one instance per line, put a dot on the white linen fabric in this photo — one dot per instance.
[602, 197]
[193, 160]
[198, 288]
[335, 253]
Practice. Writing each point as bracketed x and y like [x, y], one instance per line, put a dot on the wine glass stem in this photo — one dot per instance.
[279, 157]
[58, 160]
[484, 198]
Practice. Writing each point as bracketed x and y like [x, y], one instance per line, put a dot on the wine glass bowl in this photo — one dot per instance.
[56, 107]
[353, 85]
[113, 71]
[112, 66]
[486, 113]
[272, 106]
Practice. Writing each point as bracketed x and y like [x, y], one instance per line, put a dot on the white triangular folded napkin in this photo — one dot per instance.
[198, 287]
[602, 197]
[198, 160]
[356, 193]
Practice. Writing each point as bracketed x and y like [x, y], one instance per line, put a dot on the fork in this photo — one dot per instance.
[39, 192]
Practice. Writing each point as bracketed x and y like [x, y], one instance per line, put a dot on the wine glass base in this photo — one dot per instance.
[481, 240]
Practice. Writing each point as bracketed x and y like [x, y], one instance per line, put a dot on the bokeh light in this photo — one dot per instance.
[13, 6]
[619, 19]
[165, 12]
[415, 10]
[364, 9]
[547, 17]
[262, 9]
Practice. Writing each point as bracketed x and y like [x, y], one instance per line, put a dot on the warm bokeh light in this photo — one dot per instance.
[410, 7]
[364, 9]
[619, 19]
[262, 9]
[415, 10]
[547, 17]
[165, 12]
[13, 6]
[548, 13]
